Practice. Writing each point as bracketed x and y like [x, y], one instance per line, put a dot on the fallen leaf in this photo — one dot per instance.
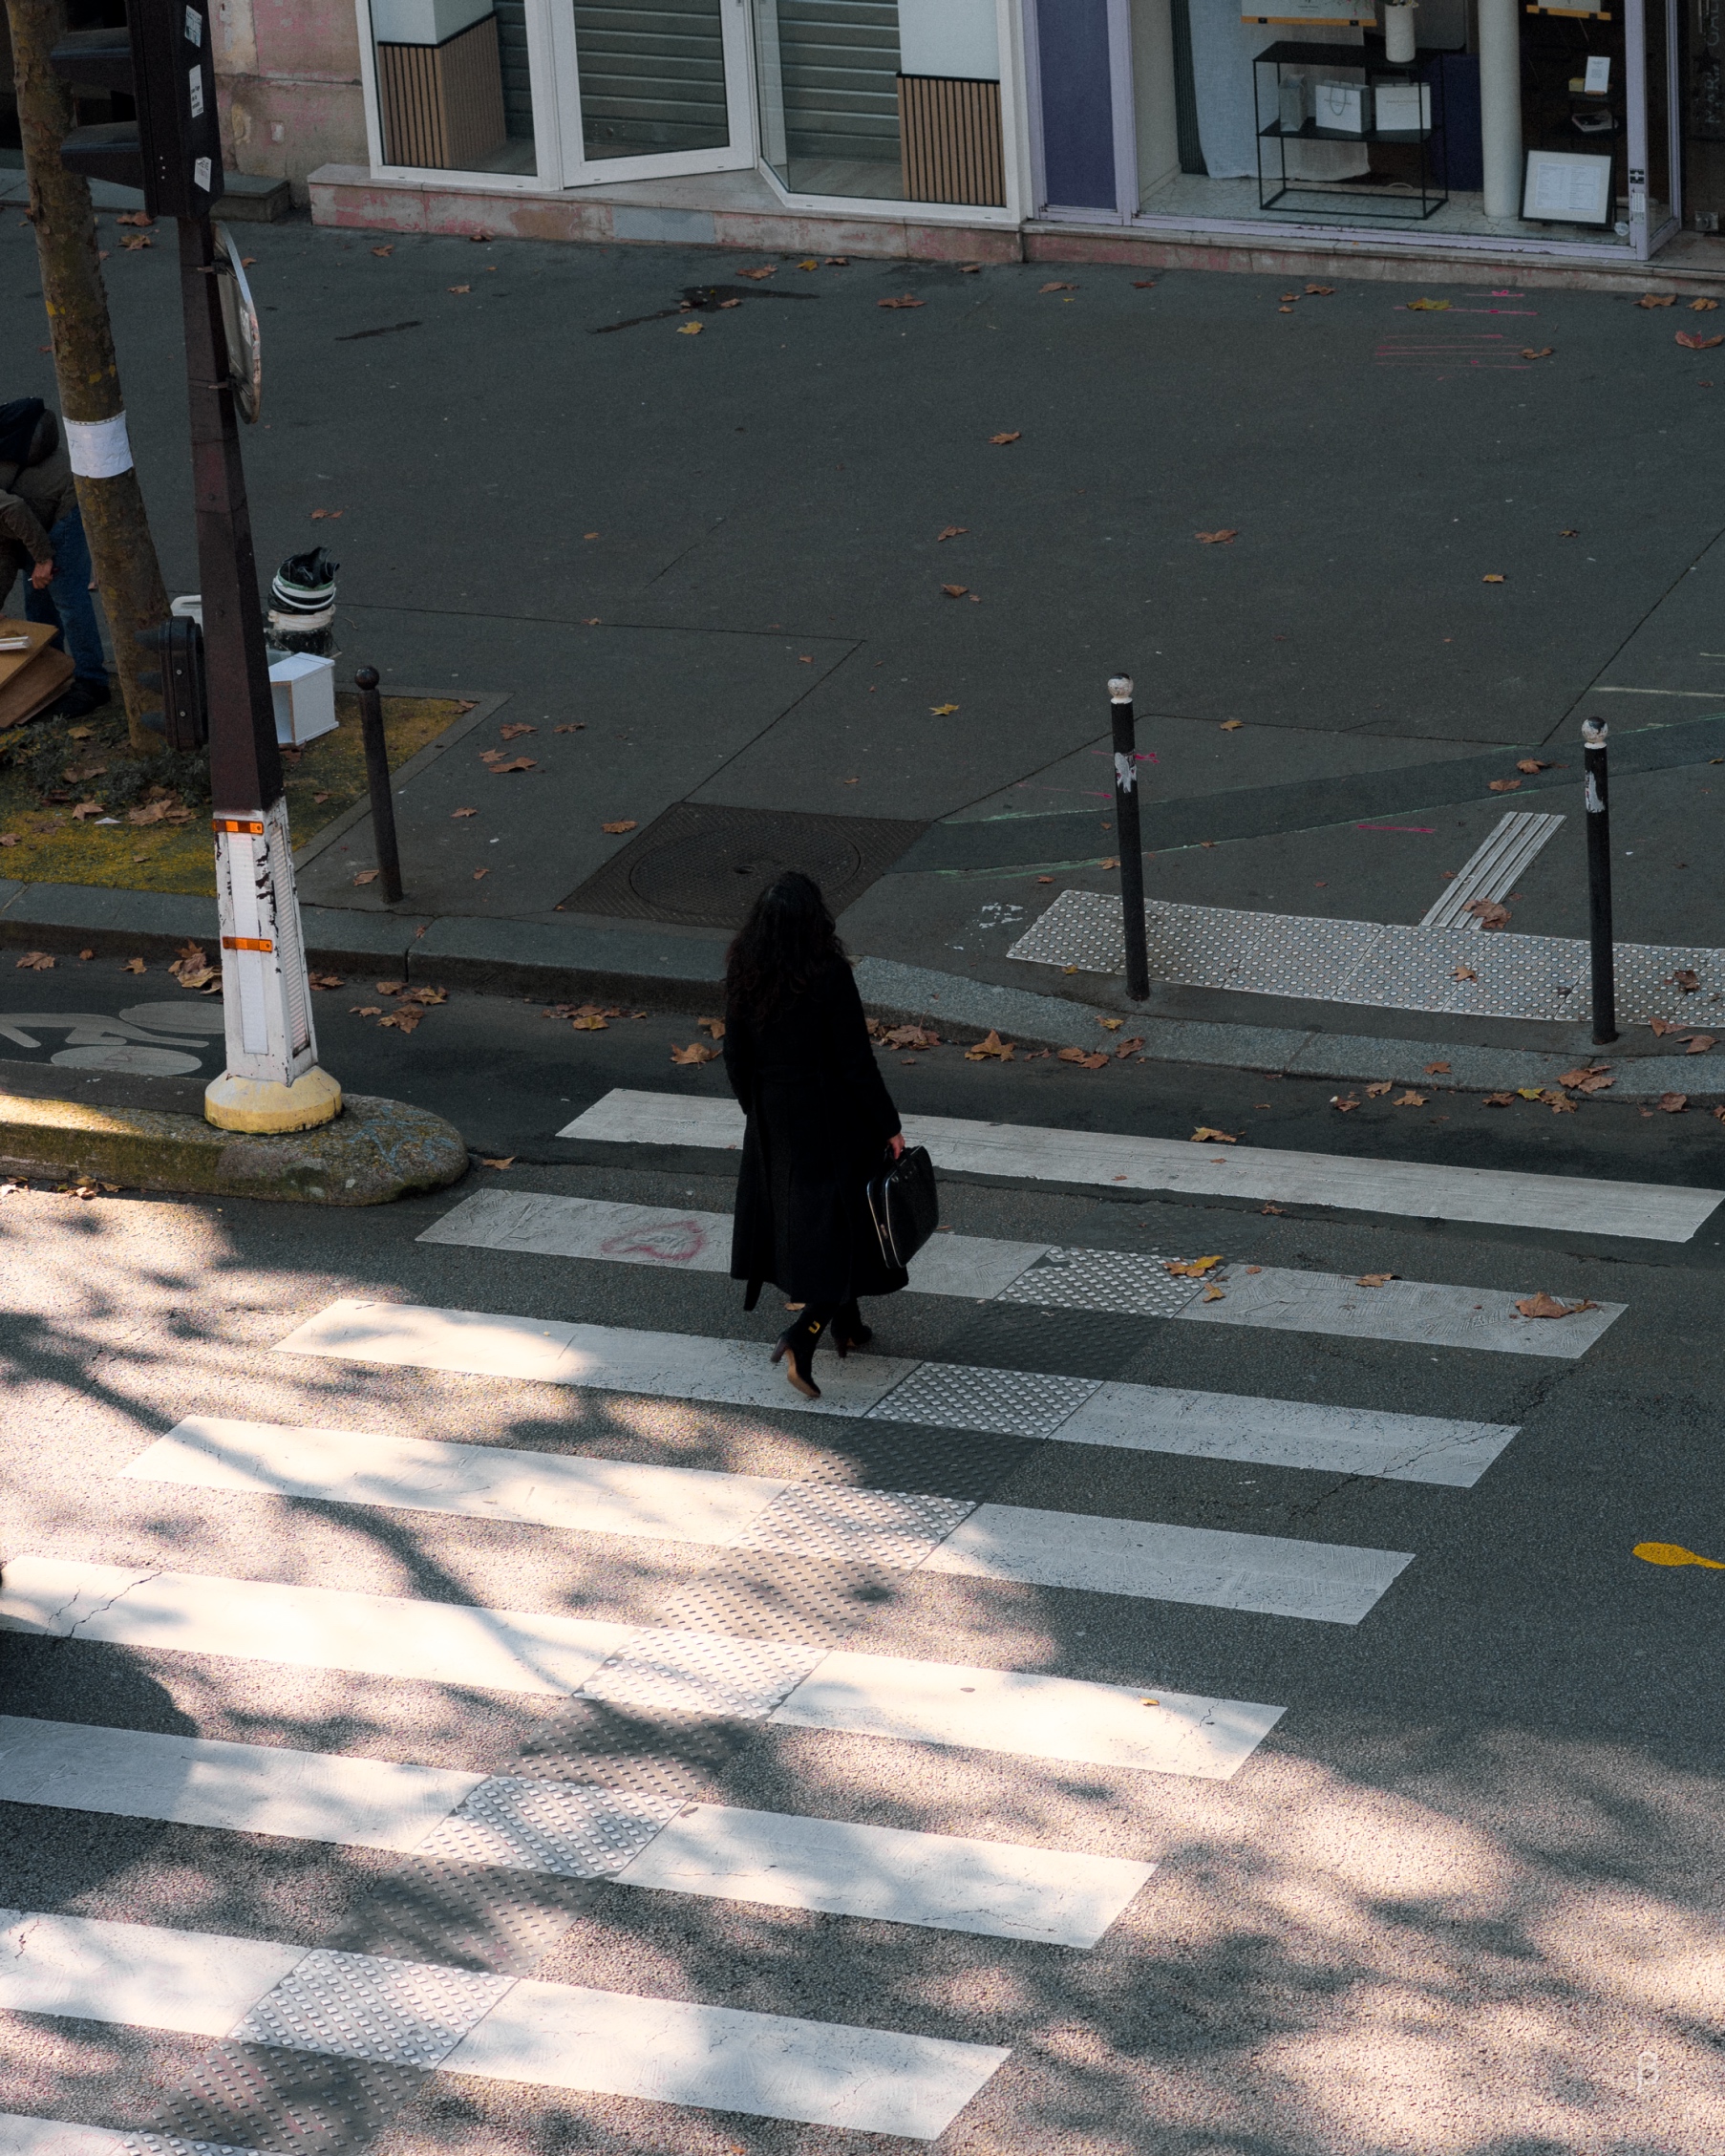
[1435, 1070]
[1056, 287]
[1109, 861]
[461, 288]
[84, 809]
[1374, 1279]
[11, 838]
[1499, 1099]
[1673, 1553]
[942, 711]
[1673, 1104]
[430, 997]
[507, 1162]
[1683, 979]
[1528, 1093]
[1204, 1134]
[1658, 299]
[1191, 1269]
[1489, 913]
[1040, 879]
[133, 965]
[955, 590]
[589, 1022]
[810, 264]
[1409, 1100]
[1494, 578]
[1000, 441]
[1689, 339]
[1272, 1209]
[516, 728]
[990, 1044]
[1214, 1295]
[154, 813]
[1232, 725]
[692, 329]
[1462, 973]
[320, 799]
[368, 875]
[35, 962]
[142, 240]
[1702, 305]
[1504, 785]
[317, 514]
[384, 252]
[404, 1020]
[905, 300]
[1531, 764]
[626, 824]
[1718, 1112]
[1428, 306]
[579, 726]
[327, 980]
[139, 217]
[755, 275]
[1587, 1077]
[1344, 1102]
[1544, 1305]
[1379, 1087]
[1321, 291]
[1568, 533]
[1560, 1103]
[1545, 351]
[715, 1027]
[86, 954]
[1222, 538]
[952, 531]
[694, 1053]
[391, 988]
[837, 261]
[1126, 1047]
[1699, 1043]
[1288, 297]
[1144, 284]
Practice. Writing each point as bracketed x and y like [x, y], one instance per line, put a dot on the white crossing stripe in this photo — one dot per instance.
[305, 1627]
[1143, 1728]
[981, 1268]
[501, 2028]
[650, 1666]
[1003, 1890]
[556, 1490]
[1112, 1556]
[1267, 1574]
[1569, 1205]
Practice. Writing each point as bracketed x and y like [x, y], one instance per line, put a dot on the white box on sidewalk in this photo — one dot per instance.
[304, 691]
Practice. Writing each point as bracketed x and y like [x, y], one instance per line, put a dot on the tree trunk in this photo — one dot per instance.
[127, 573]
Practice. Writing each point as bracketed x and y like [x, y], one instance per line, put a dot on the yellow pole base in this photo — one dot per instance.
[261, 1105]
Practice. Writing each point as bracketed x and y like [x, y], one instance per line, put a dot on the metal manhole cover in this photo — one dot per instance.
[703, 866]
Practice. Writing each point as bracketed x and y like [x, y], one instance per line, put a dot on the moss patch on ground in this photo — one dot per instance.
[43, 842]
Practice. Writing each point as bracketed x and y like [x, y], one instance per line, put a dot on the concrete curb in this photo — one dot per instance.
[376, 1150]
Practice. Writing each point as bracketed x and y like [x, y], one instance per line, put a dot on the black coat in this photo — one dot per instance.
[820, 1120]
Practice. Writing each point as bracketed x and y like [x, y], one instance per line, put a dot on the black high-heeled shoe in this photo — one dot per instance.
[797, 1343]
[848, 1330]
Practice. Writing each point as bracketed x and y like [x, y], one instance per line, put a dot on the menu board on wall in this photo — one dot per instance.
[1333, 15]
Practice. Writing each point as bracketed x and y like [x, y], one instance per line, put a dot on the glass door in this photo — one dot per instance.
[651, 89]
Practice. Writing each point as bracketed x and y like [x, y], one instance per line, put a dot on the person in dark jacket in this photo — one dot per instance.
[820, 1123]
[42, 536]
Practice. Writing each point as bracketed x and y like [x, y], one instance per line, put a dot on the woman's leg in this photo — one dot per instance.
[848, 1328]
[796, 1345]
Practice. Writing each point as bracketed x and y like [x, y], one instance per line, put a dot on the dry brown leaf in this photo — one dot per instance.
[1001, 441]
[1191, 1269]
[1126, 1047]
[1214, 1295]
[1683, 978]
[990, 1044]
[628, 823]
[588, 1022]
[1111, 1025]
[368, 875]
[516, 728]
[715, 1027]
[1321, 291]
[382, 253]
[1489, 913]
[952, 531]
[955, 590]
[1658, 299]
[1494, 578]
[1544, 352]
[1663, 1026]
[1409, 1100]
[1462, 973]
[35, 962]
[1224, 538]
[1056, 287]
[153, 813]
[1379, 1087]
[1531, 764]
[1082, 1056]
[1109, 861]
[1699, 1043]
[1504, 785]
[1205, 1135]
[320, 799]
[1435, 1070]
[755, 275]
[1673, 1104]
[515, 763]
[694, 1053]
[578, 726]
[1499, 1099]
[904, 299]
[1587, 1077]
[461, 288]
[84, 809]
[1232, 725]
[1266, 1208]
[1374, 1279]
[327, 980]
[318, 515]
[133, 965]
[1544, 1305]
[1689, 339]
[430, 997]
[403, 1020]
[1560, 1103]
[1345, 1102]
[391, 988]
[507, 1162]
[1702, 305]
[365, 1010]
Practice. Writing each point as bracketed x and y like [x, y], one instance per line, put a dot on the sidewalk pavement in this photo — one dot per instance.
[775, 592]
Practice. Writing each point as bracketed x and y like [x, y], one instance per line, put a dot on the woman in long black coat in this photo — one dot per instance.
[820, 1123]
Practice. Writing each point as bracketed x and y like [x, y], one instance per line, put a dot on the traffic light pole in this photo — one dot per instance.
[272, 1081]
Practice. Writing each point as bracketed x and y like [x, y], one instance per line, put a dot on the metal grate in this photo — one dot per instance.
[1491, 869]
[703, 866]
[1131, 1283]
[361, 2006]
[694, 1672]
[1387, 966]
[301, 2104]
[867, 1526]
[1019, 1403]
[575, 1832]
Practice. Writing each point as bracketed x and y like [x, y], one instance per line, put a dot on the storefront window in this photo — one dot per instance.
[453, 87]
[870, 100]
[652, 77]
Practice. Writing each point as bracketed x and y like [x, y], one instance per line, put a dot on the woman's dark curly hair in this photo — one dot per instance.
[787, 938]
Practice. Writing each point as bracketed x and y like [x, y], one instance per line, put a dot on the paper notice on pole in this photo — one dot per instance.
[99, 448]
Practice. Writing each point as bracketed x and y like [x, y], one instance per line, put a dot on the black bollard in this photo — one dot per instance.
[1599, 880]
[1126, 825]
[377, 780]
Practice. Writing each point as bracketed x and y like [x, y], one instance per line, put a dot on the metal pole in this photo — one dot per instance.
[377, 778]
[1599, 880]
[1126, 824]
[272, 1081]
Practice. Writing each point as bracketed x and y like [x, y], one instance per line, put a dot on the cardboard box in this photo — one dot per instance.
[32, 677]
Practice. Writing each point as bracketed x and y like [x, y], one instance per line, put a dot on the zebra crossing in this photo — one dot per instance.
[732, 1647]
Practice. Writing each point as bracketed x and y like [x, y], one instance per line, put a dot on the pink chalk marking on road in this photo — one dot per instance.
[657, 1242]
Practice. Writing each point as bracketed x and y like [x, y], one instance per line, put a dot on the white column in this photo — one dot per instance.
[1501, 105]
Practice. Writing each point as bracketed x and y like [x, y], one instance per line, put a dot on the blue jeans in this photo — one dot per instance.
[65, 603]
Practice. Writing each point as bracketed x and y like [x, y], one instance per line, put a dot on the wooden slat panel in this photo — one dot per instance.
[950, 143]
[442, 105]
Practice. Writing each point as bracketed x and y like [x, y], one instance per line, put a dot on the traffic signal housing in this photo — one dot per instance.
[162, 59]
[183, 720]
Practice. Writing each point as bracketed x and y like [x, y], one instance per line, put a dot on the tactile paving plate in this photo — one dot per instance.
[361, 2006]
[703, 1674]
[893, 1528]
[1019, 1403]
[1385, 965]
[1130, 1283]
[467, 1916]
[574, 1831]
[300, 2103]
[171, 2144]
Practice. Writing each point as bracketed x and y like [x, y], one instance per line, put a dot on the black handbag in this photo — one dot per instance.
[903, 1205]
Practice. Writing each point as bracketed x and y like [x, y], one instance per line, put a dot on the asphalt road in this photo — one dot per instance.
[1465, 1894]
